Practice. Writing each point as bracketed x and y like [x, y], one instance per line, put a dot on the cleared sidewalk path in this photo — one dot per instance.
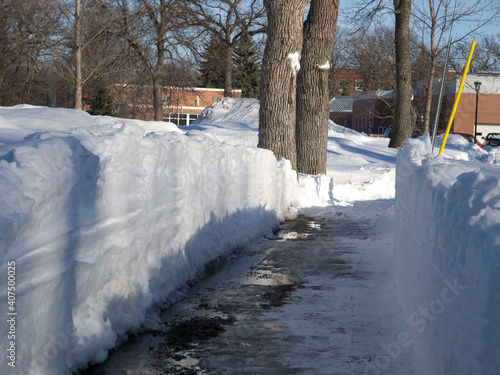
[318, 298]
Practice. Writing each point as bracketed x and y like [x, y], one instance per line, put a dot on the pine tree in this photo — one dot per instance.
[211, 73]
[247, 62]
[101, 103]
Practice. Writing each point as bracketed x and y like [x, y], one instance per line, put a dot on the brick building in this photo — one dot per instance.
[345, 82]
[372, 112]
[180, 105]
[488, 108]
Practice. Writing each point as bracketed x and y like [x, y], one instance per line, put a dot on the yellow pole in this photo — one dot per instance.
[454, 110]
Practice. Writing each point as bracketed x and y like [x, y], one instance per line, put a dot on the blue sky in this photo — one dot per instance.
[459, 29]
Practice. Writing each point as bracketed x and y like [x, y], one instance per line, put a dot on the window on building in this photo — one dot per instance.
[180, 119]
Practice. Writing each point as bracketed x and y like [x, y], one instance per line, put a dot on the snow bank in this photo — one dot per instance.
[101, 220]
[362, 167]
[448, 269]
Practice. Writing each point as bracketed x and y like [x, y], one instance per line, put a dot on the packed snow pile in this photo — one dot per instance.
[244, 111]
[102, 219]
[234, 121]
[447, 235]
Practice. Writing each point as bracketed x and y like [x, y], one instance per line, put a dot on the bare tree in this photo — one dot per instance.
[374, 56]
[486, 54]
[229, 21]
[25, 28]
[83, 44]
[341, 59]
[436, 18]
[278, 83]
[403, 118]
[312, 86]
[155, 29]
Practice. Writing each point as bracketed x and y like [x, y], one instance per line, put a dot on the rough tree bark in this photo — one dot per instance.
[403, 119]
[280, 66]
[312, 86]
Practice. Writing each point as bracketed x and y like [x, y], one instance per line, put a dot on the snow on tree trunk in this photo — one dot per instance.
[312, 91]
[279, 77]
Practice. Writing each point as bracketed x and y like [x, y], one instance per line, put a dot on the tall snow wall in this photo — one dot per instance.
[447, 260]
[101, 224]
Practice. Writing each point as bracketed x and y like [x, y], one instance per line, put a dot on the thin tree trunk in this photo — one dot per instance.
[280, 66]
[228, 73]
[428, 99]
[312, 87]
[158, 73]
[28, 81]
[157, 97]
[432, 72]
[403, 119]
[78, 57]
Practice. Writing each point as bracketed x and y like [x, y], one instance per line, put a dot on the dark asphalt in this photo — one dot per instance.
[316, 298]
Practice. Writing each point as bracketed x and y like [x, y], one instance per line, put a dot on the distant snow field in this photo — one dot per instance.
[105, 220]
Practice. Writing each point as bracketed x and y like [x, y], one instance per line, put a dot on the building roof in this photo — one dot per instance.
[341, 104]
[490, 83]
[376, 94]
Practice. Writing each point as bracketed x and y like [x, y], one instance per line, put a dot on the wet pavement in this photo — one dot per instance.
[318, 297]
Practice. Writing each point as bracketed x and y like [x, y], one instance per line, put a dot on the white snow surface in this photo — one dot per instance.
[107, 220]
[324, 66]
[294, 62]
[447, 233]
[102, 219]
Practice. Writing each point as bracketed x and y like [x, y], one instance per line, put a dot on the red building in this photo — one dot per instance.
[345, 82]
[372, 112]
[488, 104]
[180, 105]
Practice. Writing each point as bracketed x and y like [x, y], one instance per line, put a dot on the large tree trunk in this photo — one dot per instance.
[280, 66]
[78, 57]
[312, 87]
[403, 119]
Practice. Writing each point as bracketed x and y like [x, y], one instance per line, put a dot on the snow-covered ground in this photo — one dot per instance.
[103, 220]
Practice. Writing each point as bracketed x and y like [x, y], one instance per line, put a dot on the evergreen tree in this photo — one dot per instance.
[101, 103]
[247, 62]
[211, 72]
